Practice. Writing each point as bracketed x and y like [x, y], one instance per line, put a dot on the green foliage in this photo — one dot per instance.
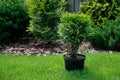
[72, 30]
[101, 10]
[45, 15]
[13, 18]
[107, 36]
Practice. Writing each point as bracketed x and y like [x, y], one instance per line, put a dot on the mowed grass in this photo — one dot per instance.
[101, 66]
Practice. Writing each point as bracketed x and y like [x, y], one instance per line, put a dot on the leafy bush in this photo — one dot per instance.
[13, 18]
[72, 30]
[101, 10]
[45, 15]
[107, 36]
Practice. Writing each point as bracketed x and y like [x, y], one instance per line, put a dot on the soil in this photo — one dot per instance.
[29, 46]
[78, 56]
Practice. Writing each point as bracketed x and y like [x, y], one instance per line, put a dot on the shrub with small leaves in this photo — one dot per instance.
[13, 18]
[101, 10]
[72, 30]
[45, 16]
[107, 36]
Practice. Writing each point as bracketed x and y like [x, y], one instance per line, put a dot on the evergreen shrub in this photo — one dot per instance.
[106, 37]
[72, 30]
[101, 10]
[45, 16]
[13, 18]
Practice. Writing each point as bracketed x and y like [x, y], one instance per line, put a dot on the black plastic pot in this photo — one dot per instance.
[74, 63]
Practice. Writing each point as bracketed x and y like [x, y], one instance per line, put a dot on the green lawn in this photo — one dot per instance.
[101, 66]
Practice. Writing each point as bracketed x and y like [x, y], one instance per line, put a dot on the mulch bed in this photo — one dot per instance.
[29, 46]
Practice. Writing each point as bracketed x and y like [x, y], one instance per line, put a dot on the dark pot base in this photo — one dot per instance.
[74, 64]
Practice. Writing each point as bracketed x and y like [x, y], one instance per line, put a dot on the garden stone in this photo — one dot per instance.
[47, 52]
[44, 55]
[33, 49]
[38, 54]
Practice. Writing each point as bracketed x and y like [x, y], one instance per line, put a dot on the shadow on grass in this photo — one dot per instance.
[85, 74]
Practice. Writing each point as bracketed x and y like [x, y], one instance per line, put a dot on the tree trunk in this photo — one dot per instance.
[72, 50]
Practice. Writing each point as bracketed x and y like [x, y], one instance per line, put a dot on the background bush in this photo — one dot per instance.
[45, 16]
[13, 18]
[101, 10]
[72, 30]
[107, 36]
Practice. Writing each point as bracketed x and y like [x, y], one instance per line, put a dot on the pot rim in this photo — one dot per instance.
[68, 58]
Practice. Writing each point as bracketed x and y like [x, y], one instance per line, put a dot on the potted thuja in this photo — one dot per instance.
[72, 31]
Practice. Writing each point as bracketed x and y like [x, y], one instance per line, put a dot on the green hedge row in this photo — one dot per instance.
[41, 18]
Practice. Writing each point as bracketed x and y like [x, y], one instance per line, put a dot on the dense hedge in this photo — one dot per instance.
[45, 16]
[13, 18]
[101, 10]
[107, 36]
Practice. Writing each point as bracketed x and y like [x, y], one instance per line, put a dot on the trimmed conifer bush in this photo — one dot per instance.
[106, 37]
[72, 30]
[45, 16]
[13, 18]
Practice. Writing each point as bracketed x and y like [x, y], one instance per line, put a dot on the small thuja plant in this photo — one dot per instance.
[72, 30]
